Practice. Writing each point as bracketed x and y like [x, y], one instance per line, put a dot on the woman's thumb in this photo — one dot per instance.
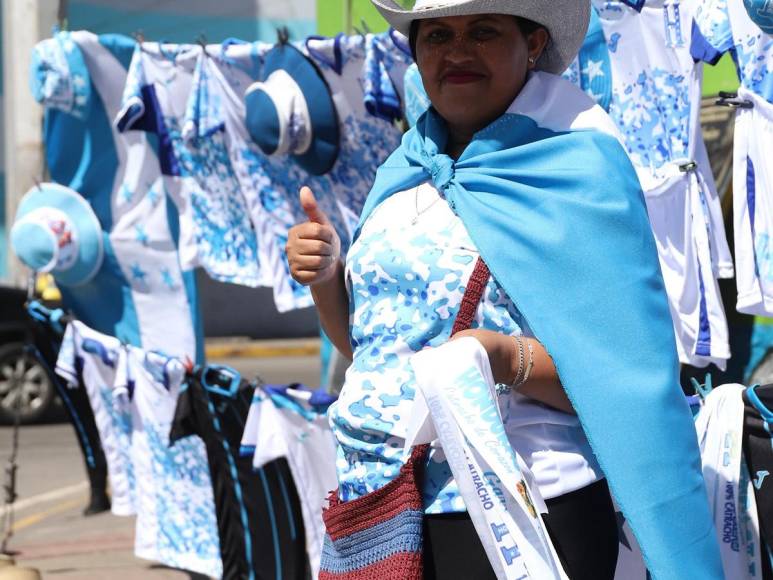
[310, 207]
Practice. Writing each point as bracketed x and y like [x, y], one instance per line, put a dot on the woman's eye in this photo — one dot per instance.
[483, 33]
[437, 36]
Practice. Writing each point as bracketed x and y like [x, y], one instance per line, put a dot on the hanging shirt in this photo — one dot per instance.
[271, 185]
[90, 359]
[405, 282]
[176, 522]
[286, 423]
[726, 26]
[655, 88]
[258, 511]
[140, 293]
[215, 231]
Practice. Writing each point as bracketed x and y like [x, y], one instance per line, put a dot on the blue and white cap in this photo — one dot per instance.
[291, 111]
[59, 77]
[761, 13]
[56, 231]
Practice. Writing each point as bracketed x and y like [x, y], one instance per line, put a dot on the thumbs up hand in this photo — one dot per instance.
[313, 248]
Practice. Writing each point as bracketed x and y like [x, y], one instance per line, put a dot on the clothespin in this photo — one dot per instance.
[282, 35]
[702, 390]
[727, 99]
[61, 15]
[188, 364]
[202, 42]
[139, 38]
[688, 166]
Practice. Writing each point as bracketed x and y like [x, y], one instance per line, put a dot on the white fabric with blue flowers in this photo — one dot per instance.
[740, 27]
[163, 91]
[405, 282]
[176, 522]
[355, 69]
[97, 356]
[655, 103]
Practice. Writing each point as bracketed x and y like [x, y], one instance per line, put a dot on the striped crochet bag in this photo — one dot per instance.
[380, 535]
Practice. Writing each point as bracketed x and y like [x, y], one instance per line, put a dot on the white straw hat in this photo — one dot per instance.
[565, 20]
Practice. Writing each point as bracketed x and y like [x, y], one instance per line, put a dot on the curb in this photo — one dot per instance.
[257, 350]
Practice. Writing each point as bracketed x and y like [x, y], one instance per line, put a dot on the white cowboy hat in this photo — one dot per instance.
[565, 20]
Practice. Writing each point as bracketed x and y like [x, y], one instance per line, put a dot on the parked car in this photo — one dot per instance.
[25, 386]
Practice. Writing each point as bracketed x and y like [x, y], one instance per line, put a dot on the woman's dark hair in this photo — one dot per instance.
[525, 25]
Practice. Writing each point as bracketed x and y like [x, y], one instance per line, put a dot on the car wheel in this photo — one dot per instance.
[24, 385]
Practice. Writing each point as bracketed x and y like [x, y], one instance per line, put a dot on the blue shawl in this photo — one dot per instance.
[553, 204]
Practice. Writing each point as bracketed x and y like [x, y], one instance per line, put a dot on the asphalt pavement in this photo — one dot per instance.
[50, 532]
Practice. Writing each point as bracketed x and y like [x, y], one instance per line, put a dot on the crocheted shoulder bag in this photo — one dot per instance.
[380, 535]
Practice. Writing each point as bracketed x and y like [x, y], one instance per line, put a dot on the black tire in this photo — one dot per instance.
[22, 374]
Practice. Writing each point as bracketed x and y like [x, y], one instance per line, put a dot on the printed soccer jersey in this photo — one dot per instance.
[176, 522]
[140, 294]
[735, 26]
[89, 359]
[258, 511]
[406, 275]
[215, 231]
[292, 423]
[270, 186]
[655, 102]
[47, 332]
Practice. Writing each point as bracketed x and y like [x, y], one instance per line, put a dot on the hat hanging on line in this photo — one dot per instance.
[565, 20]
[291, 111]
[56, 231]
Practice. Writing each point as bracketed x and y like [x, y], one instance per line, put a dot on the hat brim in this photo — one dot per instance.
[85, 222]
[325, 131]
[565, 20]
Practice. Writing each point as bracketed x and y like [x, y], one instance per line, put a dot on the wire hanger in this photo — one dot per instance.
[201, 40]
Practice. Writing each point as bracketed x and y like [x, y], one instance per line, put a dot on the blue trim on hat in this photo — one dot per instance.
[84, 221]
[325, 131]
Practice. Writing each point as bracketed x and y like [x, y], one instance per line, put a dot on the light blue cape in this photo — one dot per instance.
[559, 217]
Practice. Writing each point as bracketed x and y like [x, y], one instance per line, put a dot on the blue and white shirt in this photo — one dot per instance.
[405, 282]
[727, 26]
[176, 522]
[354, 68]
[215, 230]
[90, 359]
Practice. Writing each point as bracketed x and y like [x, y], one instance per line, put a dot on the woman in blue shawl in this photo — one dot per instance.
[515, 165]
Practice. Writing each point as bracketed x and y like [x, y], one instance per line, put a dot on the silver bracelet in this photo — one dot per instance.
[529, 366]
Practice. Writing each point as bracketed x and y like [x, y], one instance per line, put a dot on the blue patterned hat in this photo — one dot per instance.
[59, 76]
[291, 111]
[761, 13]
[56, 231]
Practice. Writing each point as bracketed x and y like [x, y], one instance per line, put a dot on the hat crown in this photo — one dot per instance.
[47, 240]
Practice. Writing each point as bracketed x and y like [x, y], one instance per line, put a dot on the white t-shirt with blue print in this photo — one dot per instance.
[726, 26]
[405, 282]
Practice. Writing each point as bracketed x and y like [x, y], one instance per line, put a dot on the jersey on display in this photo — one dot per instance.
[258, 511]
[292, 423]
[176, 522]
[215, 231]
[89, 359]
[648, 78]
[732, 26]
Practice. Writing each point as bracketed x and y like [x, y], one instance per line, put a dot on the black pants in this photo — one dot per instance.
[582, 525]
